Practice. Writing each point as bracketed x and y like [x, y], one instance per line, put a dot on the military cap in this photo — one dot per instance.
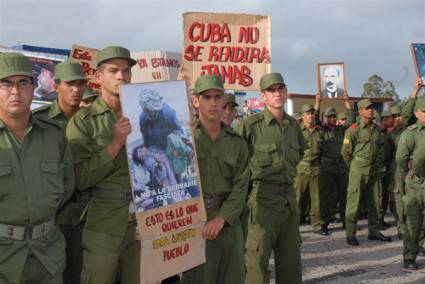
[208, 82]
[395, 110]
[297, 115]
[89, 93]
[14, 64]
[231, 99]
[330, 111]
[385, 113]
[67, 72]
[364, 103]
[306, 108]
[270, 79]
[420, 104]
[341, 115]
[112, 52]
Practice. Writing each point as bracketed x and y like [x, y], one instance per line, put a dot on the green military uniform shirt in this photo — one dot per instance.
[362, 148]
[89, 132]
[310, 162]
[36, 178]
[409, 143]
[419, 160]
[70, 213]
[275, 149]
[223, 170]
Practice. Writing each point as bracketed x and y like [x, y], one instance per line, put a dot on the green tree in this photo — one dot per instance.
[376, 87]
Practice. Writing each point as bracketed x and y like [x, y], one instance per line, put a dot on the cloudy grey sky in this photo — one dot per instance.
[371, 37]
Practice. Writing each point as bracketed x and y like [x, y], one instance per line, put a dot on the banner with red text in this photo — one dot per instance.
[164, 178]
[155, 66]
[235, 46]
[87, 57]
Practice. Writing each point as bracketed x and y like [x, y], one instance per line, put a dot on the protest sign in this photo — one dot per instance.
[331, 80]
[418, 53]
[155, 66]
[164, 178]
[235, 46]
[87, 57]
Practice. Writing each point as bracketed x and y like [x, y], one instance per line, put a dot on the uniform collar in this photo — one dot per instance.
[225, 128]
[55, 109]
[33, 121]
[420, 125]
[99, 105]
[363, 125]
[268, 117]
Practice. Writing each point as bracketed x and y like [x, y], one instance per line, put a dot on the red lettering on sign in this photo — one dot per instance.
[88, 71]
[142, 63]
[249, 35]
[81, 54]
[154, 219]
[192, 53]
[229, 73]
[209, 32]
[175, 252]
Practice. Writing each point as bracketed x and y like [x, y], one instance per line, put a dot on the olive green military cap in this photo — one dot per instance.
[270, 79]
[89, 93]
[341, 115]
[306, 108]
[420, 104]
[364, 103]
[113, 52]
[231, 99]
[395, 110]
[330, 111]
[208, 82]
[67, 72]
[297, 115]
[385, 113]
[14, 64]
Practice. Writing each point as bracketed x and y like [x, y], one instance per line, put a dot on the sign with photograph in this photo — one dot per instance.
[153, 66]
[164, 178]
[87, 57]
[418, 53]
[235, 46]
[43, 69]
[331, 80]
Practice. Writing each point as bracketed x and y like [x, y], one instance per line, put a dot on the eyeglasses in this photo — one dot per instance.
[7, 85]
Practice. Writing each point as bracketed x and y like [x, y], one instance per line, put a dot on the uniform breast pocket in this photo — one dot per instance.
[227, 167]
[52, 177]
[6, 181]
[263, 154]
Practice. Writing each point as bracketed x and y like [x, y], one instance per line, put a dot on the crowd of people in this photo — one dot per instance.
[66, 208]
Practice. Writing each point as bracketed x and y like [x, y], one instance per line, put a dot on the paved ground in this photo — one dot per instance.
[331, 260]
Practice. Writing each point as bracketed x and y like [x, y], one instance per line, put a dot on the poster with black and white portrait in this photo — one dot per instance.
[331, 80]
[418, 53]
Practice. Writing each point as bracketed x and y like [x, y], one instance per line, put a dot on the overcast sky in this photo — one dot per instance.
[371, 37]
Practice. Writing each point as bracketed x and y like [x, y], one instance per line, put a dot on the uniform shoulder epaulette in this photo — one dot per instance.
[41, 109]
[83, 112]
[48, 120]
[254, 118]
[413, 126]
[354, 126]
[290, 118]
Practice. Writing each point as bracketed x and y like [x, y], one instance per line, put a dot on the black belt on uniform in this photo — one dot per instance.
[117, 194]
[336, 160]
[275, 187]
[214, 202]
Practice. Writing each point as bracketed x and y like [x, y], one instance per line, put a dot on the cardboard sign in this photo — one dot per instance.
[235, 46]
[154, 66]
[87, 57]
[164, 178]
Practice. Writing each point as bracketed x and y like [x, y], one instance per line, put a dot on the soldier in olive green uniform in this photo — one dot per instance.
[333, 170]
[229, 112]
[36, 179]
[88, 98]
[69, 85]
[413, 200]
[276, 145]
[362, 150]
[307, 179]
[223, 165]
[97, 135]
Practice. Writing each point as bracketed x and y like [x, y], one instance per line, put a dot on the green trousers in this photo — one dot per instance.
[399, 192]
[333, 194]
[413, 202]
[224, 259]
[368, 186]
[307, 185]
[105, 255]
[273, 225]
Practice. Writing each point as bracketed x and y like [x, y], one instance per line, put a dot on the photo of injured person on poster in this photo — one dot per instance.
[164, 178]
